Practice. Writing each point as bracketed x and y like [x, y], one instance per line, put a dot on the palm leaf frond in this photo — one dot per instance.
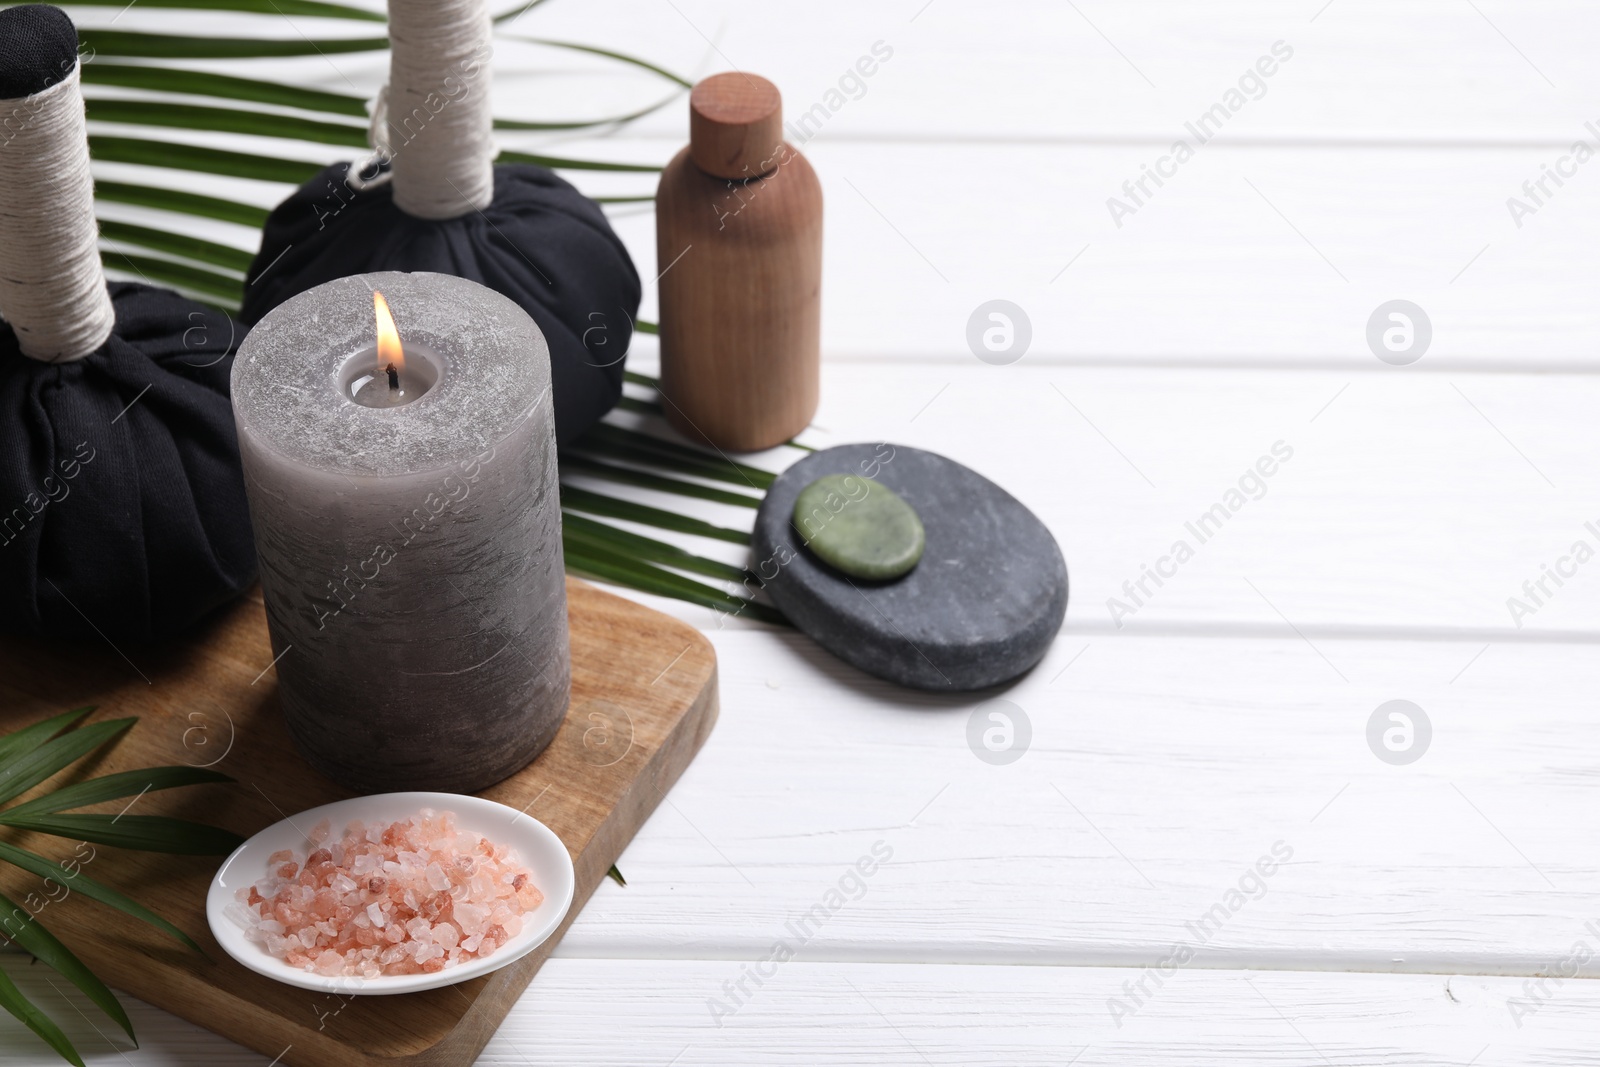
[181, 201]
[19, 926]
[219, 86]
[227, 120]
[574, 498]
[18, 744]
[115, 787]
[307, 8]
[201, 251]
[12, 1000]
[82, 883]
[133, 44]
[143, 833]
[28, 769]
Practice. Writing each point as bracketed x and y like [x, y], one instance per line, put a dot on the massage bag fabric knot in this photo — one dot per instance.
[122, 508]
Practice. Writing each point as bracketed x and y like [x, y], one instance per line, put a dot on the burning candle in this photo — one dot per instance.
[384, 376]
[400, 460]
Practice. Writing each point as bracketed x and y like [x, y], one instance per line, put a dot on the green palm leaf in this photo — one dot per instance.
[647, 448]
[130, 44]
[182, 202]
[115, 787]
[227, 290]
[227, 120]
[144, 833]
[21, 927]
[649, 578]
[308, 8]
[621, 57]
[235, 259]
[27, 757]
[564, 163]
[587, 500]
[25, 740]
[82, 883]
[517, 12]
[204, 160]
[29, 769]
[221, 86]
[614, 120]
[595, 538]
[660, 483]
[12, 1000]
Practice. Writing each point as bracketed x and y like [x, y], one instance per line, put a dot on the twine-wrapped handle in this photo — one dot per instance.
[432, 122]
[52, 286]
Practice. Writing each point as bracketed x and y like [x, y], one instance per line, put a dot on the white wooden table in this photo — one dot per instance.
[1045, 911]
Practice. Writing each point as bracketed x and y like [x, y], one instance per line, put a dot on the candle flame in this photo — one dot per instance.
[390, 352]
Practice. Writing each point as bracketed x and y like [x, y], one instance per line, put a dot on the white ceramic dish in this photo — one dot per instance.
[537, 847]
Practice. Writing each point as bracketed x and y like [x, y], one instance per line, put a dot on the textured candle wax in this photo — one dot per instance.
[411, 554]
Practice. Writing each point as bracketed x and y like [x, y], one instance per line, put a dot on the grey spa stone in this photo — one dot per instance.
[981, 606]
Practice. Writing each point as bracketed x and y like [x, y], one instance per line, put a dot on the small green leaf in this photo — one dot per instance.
[587, 500]
[154, 271]
[226, 120]
[308, 8]
[15, 745]
[616, 875]
[116, 786]
[204, 160]
[181, 202]
[588, 534]
[173, 244]
[127, 44]
[645, 327]
[219, 86]
[28, 770]
[23, 928]
[147, 833]
[82, 883]
[12, 1000]
[629, 476]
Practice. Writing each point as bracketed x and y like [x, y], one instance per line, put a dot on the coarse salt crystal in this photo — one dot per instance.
[407, 897]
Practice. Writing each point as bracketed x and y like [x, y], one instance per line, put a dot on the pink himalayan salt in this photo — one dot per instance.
[408, 897]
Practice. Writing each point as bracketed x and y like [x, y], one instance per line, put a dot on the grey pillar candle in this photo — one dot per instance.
[410, 546]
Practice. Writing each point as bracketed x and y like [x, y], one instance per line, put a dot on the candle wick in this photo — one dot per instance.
[394, 376]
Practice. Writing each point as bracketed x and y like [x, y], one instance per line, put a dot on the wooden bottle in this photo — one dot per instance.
[739, 245]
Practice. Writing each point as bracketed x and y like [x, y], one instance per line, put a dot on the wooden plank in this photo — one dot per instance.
[1415, 505]
[851, 1014]
[1161, 770]
[1249, 256]
[1039, 70]
[1034, 69]
[654, 678]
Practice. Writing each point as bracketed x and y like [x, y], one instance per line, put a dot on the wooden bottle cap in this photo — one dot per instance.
[735, 125]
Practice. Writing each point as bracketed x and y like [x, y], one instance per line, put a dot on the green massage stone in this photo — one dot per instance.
[859, 526]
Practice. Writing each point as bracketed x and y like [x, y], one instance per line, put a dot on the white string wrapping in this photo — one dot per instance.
[52, 286]
[432, 122]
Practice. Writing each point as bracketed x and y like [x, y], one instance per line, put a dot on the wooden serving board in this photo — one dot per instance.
[644, 699]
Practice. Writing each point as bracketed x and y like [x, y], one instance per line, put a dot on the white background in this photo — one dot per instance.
[1227, 714]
